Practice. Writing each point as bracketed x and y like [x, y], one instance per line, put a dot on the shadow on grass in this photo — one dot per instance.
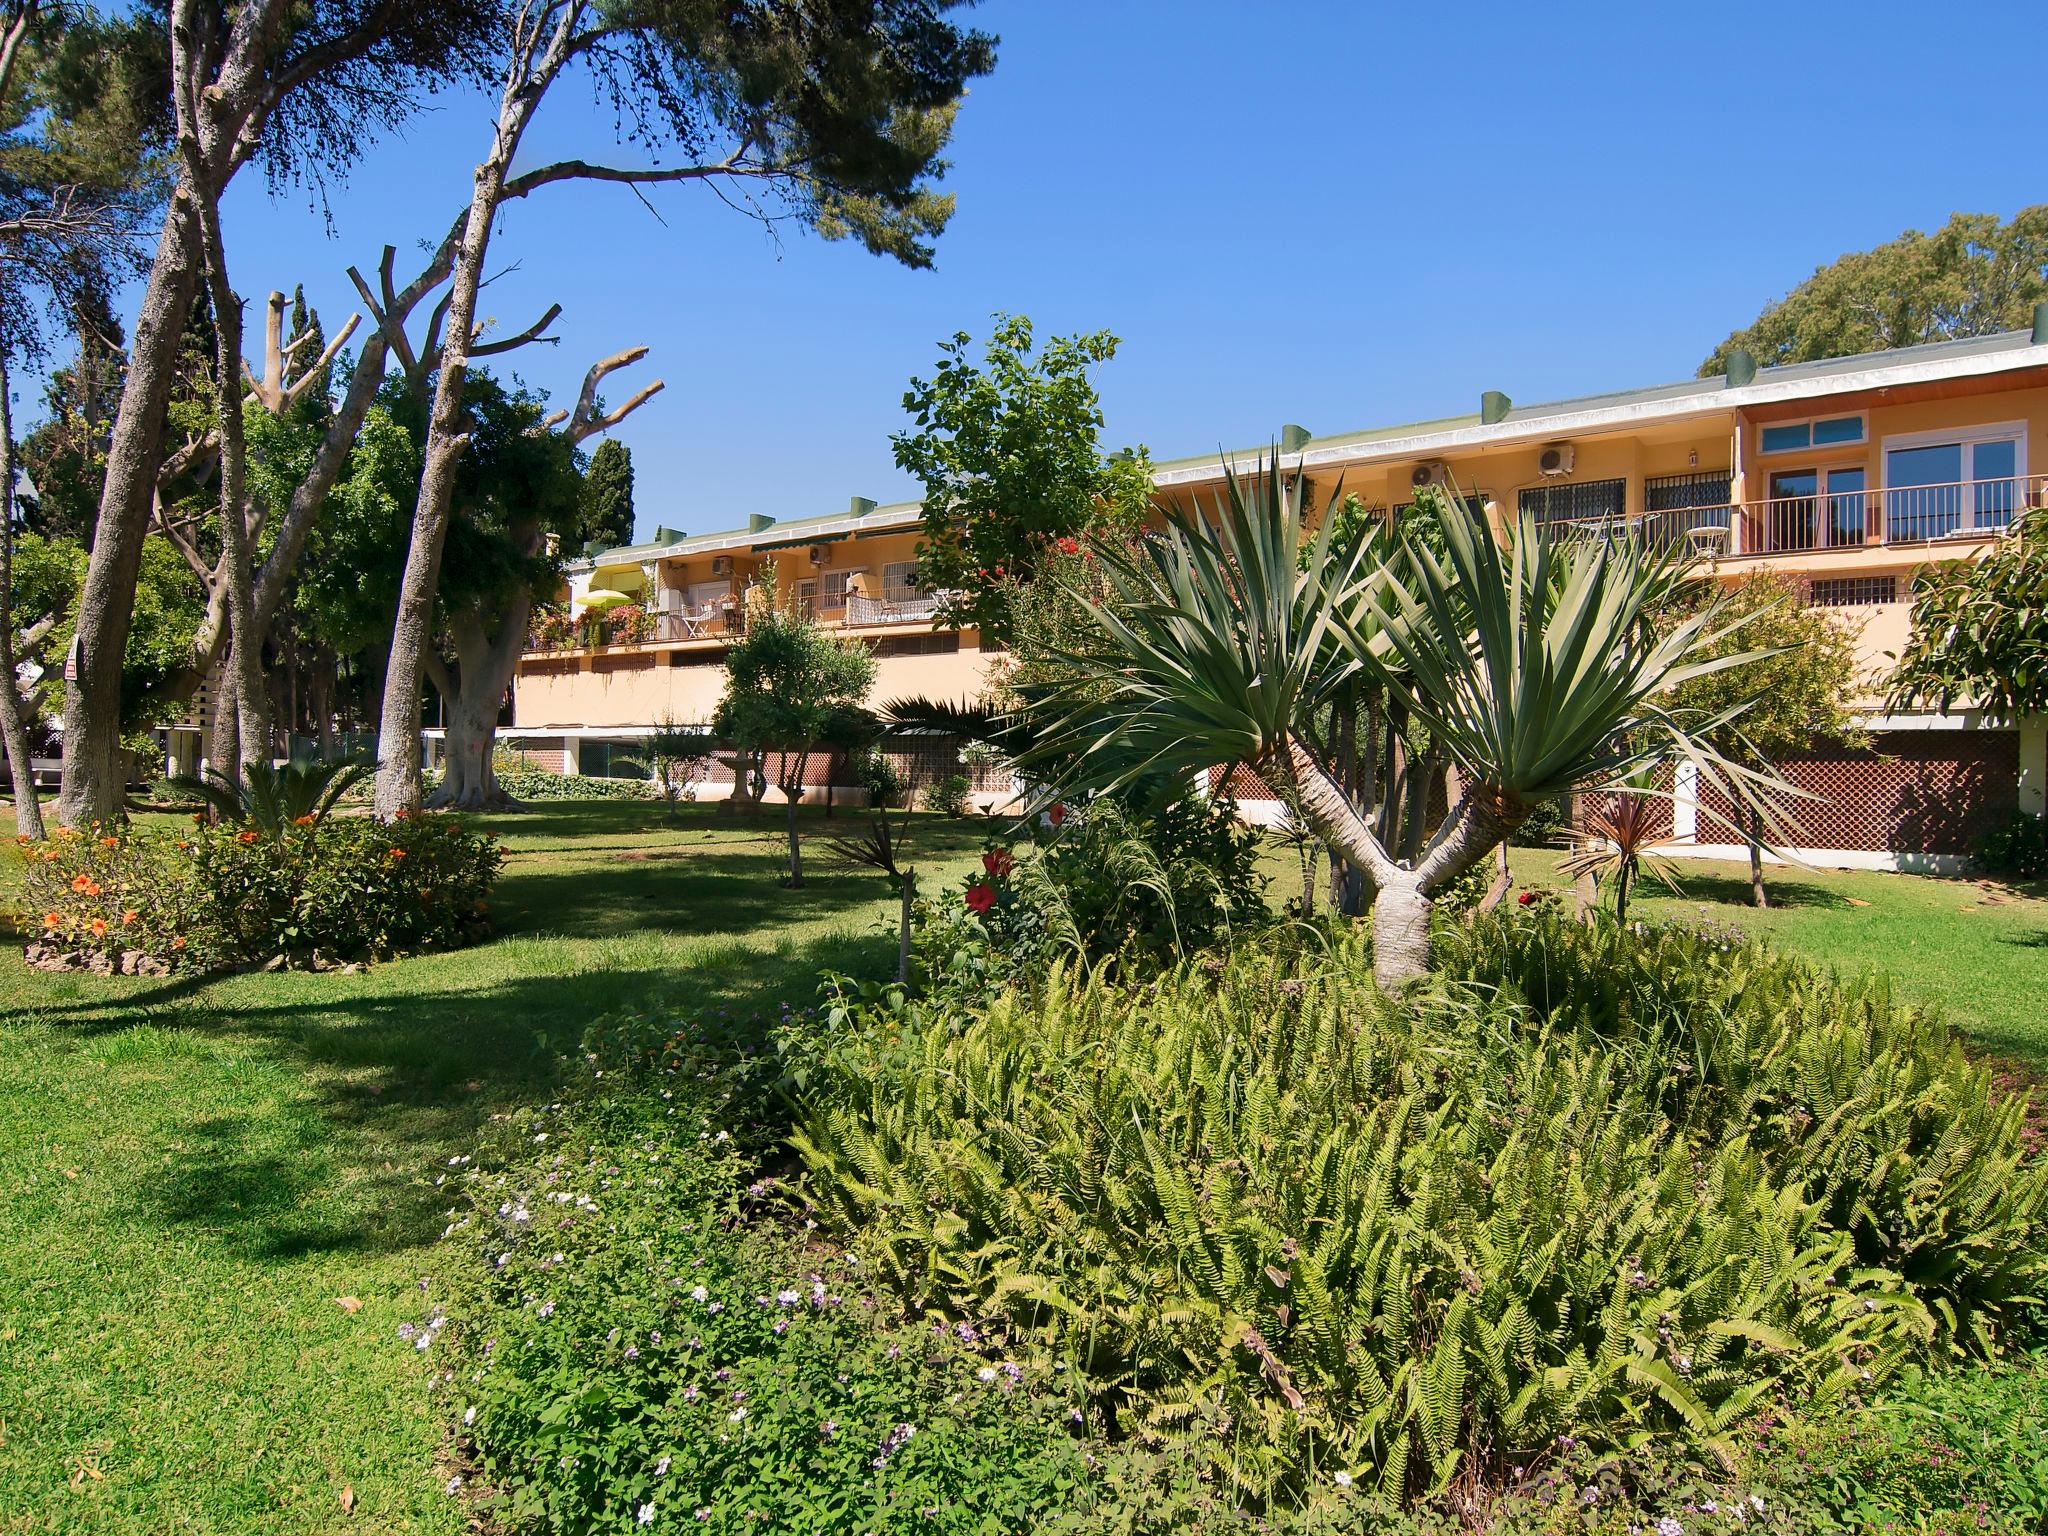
[1729, 891]
[2037, 939]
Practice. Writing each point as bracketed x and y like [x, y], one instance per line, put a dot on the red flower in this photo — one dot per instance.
[1058, 813]
[178, 942]
[246, 837]
[997, 861]
[1525, 898]
[1070, 546]
[980, 896]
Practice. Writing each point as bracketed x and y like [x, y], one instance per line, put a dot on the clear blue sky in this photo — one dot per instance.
[1287, 212]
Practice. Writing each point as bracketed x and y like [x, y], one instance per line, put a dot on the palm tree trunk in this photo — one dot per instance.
[1400, 934]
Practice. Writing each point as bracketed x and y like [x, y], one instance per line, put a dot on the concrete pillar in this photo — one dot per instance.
[2034, 766]
[1685, 805]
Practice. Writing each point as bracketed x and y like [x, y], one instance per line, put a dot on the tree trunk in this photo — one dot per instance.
[1754, 822]
[28, 808]
[93, 776]
[471, 697]
[796, 846]
[398, 739]
[908, 883]
[1400, 935]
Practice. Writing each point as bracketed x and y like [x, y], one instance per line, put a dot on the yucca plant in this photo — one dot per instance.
[270, 797]
[885, 847]
[1539, 669]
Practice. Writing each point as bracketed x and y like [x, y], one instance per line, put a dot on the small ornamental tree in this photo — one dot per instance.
[1009, 453]
[1797, 694]
[1980, 630]
[792, 686]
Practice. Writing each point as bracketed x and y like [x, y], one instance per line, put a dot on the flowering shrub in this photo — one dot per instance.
[218, 894]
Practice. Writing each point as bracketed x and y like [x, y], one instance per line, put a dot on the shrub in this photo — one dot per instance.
[873, 772]
[2018, 849]
[538, 784]
[227, 895]
[948, 795]
[627, 1354]
[1425, 1239]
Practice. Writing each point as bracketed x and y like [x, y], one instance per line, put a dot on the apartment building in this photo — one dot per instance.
[1850, 475]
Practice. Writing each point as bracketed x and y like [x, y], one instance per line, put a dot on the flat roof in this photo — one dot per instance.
[1969, 356]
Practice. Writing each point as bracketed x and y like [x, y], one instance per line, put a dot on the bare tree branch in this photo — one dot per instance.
[531, 333]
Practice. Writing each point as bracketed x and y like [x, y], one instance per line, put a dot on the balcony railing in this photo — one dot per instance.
[1783, 525]
[1899, 514]
[722, 621]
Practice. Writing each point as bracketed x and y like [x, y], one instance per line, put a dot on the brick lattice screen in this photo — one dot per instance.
[1910, 792]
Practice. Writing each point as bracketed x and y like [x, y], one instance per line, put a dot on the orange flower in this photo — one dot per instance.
[85, 885]
[52, 920]
[398, 853]
[304, 821]
[178, 942]
[183, 845]
[50, 857]
[23, 838]
[99, 926]
[67, 832]
[110, 842]
[129, 917]
[246, 837]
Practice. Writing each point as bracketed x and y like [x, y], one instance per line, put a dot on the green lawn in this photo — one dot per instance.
[1978, 950]
[193, 1174]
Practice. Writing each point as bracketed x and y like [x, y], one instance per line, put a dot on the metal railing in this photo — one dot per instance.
[896, 605]
[1900, 514]
[1701, 528]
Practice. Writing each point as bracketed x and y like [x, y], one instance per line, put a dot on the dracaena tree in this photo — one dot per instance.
[1539, 668]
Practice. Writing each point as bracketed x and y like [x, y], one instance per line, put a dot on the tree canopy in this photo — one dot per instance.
[1971, 277]
[1009, 453]
[1980, 630]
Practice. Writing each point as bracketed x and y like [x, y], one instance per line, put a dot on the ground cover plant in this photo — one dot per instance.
[1601, 1188]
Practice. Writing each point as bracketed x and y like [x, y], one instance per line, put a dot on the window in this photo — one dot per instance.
[1943, 483]
[1853, 591]
[898, 580]
[1823, 432]
[1678, 493]
[1815, 509]
[940, 643]
[1586, 501]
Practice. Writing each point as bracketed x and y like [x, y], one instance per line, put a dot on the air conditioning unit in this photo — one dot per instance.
[821, 554]
[721, 565]
[1555, 459]
[1430, 472]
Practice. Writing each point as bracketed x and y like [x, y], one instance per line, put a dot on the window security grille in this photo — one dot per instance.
[1673, 493]
[1853, 591]
[1583, 501]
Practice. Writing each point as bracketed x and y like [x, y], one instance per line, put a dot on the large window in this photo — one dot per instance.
[1815, 509]
[1585, 501]
[1942, 483]
[899, 580]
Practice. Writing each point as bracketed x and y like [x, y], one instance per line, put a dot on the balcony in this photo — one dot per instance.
[1903, 514]
[724, 622]
[1787, 525]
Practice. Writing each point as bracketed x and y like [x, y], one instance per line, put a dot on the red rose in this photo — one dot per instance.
[1058, 813]
[980, 896]
[997, 861]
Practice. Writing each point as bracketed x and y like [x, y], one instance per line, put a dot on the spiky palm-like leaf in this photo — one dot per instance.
[271, 797]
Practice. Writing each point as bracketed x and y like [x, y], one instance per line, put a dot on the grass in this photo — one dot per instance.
[194, 1176]
[1978, 950]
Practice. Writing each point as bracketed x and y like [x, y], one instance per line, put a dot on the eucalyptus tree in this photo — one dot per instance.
[834, 117]
[301, 88]
[1539, 668]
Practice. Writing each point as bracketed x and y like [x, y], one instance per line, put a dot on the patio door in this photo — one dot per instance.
[1815, 509]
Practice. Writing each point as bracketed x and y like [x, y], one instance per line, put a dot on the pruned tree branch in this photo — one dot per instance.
[531, 333]
[585, 421]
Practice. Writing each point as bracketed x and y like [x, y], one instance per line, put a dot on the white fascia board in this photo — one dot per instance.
[1708, 400]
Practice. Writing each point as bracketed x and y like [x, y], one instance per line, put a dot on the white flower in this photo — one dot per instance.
[646, 1515]
[1758, 1500]
[986, 1373]
[1342, 1479]
[454, 1485]
[698, 1293]
[736, 1415]
[661, 1467]
[469, 1415]
[786, 1298]
[1669, 1527]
